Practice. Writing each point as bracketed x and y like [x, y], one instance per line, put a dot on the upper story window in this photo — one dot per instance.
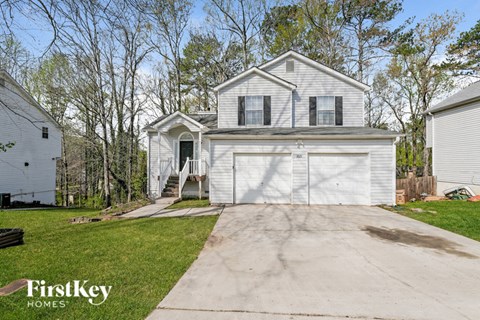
[254, 110]
[44, 132]
[326, 111]
[290, 66]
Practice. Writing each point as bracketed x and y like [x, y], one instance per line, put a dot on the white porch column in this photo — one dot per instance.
[159, 178]
[200, 164]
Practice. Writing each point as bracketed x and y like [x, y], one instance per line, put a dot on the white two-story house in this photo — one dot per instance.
[290, 131]
[28, 169]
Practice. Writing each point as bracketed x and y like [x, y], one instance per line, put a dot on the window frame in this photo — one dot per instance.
[259, 109]
[321, 111]
[44, 132]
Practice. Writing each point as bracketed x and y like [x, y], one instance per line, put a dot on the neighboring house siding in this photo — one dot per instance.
[312, 82]
[37, 181]
[456, 146]
[381, 154]
[254, 85]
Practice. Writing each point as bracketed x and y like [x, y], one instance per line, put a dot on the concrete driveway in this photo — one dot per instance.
[327, 262]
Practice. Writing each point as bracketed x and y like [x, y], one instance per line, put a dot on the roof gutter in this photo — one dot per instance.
[296, 137]
[431, 111]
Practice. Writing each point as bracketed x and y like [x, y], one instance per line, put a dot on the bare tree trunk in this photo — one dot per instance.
[66, 201]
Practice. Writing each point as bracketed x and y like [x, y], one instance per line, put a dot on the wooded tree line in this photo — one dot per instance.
[110, 66]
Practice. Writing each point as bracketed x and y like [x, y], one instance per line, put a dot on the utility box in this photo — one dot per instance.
[4, 200]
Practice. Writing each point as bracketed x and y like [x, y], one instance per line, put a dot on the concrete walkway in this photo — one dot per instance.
[270, 262]
[157, 210]
[151, 209]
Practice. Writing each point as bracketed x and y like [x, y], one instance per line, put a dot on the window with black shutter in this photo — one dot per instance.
[44, 132]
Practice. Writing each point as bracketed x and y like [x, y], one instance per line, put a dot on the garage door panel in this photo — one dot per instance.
[338, 179]
[263, 178]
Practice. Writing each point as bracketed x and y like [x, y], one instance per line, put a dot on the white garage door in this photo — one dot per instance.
[263, 178]
[339, 179]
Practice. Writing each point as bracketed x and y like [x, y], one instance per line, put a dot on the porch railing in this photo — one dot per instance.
[166, 169]
[192, 167]
[182, 177]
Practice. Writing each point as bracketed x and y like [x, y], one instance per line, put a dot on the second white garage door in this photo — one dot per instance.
[339, 179]
[263, 178]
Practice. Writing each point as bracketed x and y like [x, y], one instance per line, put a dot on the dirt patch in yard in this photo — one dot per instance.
[418, 240]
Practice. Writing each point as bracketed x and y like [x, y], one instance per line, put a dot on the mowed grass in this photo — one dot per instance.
[193, 203]
[141, 259]
[461, 217]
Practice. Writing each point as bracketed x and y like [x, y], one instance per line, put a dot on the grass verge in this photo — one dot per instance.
[190, 204]
[141, 259]
[461, 217]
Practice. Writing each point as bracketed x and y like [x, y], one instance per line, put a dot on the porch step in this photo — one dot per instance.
[169, 195]
[171, 187]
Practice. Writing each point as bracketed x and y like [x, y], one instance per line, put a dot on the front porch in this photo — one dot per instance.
[178, 159]
[191, 181]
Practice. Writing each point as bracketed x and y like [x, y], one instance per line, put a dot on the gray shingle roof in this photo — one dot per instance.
[207, 119]
[305, 131]
[469, 93]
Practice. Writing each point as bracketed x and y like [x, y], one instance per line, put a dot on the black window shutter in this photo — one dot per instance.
[312, 110]
[241, 111]
[339, 111]
[267, 110]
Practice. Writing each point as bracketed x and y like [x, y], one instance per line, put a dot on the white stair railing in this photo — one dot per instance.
[165, 172]
[182, 177]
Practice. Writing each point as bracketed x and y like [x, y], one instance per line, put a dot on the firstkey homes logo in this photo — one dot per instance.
[38, 290]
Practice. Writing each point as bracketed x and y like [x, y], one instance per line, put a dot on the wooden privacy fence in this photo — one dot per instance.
[415, 186]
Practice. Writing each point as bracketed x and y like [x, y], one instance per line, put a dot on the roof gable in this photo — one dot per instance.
[259, 72]
[171, 118]
[27, 96]
[468, 94]
[317, 65]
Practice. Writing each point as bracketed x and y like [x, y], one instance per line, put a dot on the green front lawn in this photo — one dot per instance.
[190, 204]
[141, 259]
[461, 217]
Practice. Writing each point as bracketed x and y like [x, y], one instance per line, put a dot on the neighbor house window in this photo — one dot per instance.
[44, 132]
[326, 111]
[254, 110]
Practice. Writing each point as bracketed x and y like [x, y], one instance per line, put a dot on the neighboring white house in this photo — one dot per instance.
[28, 170]
[453, 133]
[290, 131]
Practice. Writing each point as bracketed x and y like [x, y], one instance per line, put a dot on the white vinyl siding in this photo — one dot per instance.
[456, 146]
[153, 163]
[254, 85]
[24, 126]
[312, 82]
[254, 110]
[381, 165]
[326, 111]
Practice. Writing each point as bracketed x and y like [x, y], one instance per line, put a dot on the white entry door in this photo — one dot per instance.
[263, 178]
[339, 179]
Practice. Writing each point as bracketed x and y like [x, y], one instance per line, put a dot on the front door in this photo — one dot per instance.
[186, 151]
